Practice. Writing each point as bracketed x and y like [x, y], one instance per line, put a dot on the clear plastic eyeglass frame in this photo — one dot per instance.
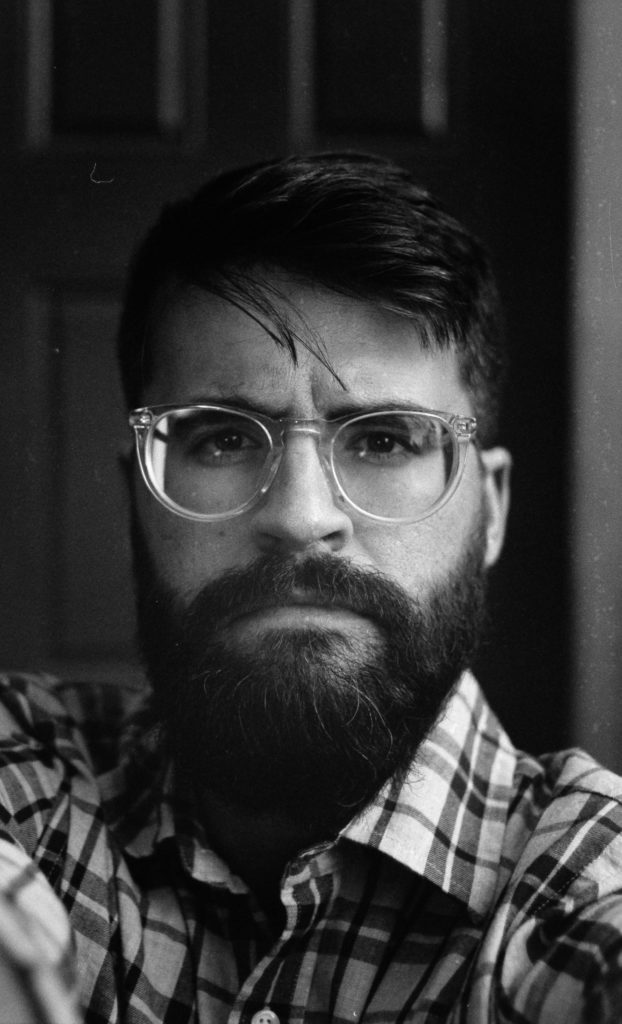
[144, 423]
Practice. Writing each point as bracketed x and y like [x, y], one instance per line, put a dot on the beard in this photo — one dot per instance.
[305, 724]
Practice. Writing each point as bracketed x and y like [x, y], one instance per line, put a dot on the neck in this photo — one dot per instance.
[257, 846]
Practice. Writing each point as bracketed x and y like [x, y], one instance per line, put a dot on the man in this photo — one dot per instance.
[312, 814]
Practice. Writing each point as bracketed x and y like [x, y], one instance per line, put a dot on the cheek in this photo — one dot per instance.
[422, 555]
[187, 554]
[414, 556]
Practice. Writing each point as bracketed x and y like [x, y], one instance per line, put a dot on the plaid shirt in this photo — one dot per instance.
[487, 889]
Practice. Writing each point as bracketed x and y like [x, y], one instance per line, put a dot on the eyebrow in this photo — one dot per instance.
[352, 408]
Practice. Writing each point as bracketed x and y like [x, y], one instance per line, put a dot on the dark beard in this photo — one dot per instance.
[305, 724]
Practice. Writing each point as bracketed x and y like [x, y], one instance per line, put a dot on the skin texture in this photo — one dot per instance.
[207, 350]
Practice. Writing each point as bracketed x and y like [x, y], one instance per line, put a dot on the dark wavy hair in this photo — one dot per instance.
[353, 223]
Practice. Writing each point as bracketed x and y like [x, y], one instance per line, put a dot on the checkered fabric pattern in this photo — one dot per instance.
[486, 890]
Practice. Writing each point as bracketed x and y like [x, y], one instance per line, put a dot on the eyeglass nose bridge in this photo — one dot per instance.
[287, 427]
[312, 428]
[300, 427]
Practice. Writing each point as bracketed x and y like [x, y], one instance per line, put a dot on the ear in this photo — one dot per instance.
[496, 466]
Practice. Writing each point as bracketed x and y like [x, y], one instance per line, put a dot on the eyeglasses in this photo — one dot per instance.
[212, 462]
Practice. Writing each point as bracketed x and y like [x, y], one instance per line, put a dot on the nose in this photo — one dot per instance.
[300, 510]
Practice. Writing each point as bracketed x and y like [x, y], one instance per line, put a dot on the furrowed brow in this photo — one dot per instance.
[340, 410]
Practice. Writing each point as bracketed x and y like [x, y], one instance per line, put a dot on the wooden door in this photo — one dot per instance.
[109, 108]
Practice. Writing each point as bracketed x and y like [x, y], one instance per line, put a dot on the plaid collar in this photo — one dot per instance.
[446, 821]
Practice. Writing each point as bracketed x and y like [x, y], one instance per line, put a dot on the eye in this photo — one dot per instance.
[392, 440]
[220, 444]
[225, 440]
[211, 440]
[379, 441]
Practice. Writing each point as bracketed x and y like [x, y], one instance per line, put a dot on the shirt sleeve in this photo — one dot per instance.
[37, 977]
[39, 756]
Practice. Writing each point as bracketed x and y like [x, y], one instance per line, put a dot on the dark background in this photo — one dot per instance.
[109, 109]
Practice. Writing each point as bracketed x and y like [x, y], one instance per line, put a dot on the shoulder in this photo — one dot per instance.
[556, 937]
[54, 712]
[47, 759]
[571, 809]
[27, 701]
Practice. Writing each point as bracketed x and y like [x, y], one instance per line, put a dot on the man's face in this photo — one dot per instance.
[208, 351]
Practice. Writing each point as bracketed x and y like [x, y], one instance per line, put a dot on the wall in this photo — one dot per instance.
[596, 525]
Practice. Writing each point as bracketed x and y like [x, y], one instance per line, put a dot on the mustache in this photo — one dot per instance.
[320, 579]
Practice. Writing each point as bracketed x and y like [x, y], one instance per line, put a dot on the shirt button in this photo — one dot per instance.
[265, 1016]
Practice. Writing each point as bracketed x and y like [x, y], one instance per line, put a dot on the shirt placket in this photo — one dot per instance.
[276, 990]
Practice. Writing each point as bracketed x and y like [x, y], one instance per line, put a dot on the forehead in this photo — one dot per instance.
[205, 348]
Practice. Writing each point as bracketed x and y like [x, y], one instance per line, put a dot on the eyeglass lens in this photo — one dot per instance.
[213, 462]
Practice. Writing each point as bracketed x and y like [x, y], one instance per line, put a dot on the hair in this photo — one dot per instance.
[353, 223]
